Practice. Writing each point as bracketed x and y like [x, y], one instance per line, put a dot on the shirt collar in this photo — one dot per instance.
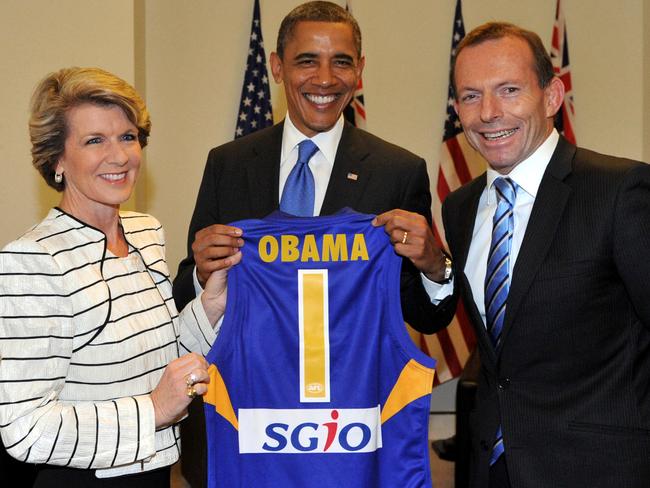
[327, 142]
[528, 174]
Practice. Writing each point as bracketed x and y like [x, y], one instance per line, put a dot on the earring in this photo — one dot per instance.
[58, 177]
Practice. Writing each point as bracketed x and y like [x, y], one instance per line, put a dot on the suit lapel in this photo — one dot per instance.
[467, 210]
[349, 174]
[263, 172]
[548, 208]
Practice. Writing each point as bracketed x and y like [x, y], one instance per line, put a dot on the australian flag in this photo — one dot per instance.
[255, 110]
[355, 111]
[565, 118]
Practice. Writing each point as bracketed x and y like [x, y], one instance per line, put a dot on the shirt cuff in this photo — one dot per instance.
[437, 291]
[209, 331]
[197, 286]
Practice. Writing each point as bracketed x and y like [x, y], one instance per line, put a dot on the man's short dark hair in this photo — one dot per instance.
[498, 30]
[316, 12]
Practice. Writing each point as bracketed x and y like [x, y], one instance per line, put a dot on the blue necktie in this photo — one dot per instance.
[298, 194]
[497, 277]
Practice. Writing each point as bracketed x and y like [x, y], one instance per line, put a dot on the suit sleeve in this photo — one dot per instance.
[417, 308]
[206, 213]
[632, 238]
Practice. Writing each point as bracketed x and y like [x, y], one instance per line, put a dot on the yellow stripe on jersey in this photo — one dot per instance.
[218, 396]
[314, 335]
[415, 381]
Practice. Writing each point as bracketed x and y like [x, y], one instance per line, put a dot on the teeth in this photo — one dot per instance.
[114, 176]
[321, 99]
[492, 136]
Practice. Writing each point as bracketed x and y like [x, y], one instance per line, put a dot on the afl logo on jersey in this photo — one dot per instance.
[307, 431]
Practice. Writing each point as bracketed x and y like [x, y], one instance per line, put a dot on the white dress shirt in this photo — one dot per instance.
[528, 176]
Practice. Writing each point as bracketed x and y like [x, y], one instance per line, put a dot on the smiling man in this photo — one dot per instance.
[319, 61]
[320, 65]
[552, 246]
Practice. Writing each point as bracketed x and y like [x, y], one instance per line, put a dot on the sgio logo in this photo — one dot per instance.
[306, 431]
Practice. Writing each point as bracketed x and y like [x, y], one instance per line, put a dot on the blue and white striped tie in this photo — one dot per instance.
[497, 278]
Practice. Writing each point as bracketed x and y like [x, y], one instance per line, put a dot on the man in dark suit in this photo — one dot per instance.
[319, 61]
[554, 242]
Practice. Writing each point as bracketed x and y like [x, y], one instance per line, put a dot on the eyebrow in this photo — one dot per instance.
[344, 56]
[310, 55]
[463, 89]
[307, 55]
[500, 85]
[95, 133]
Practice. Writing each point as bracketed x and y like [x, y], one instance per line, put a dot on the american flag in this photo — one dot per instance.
[565, 118]
[458, 164]
[255, 110]
[355, 112]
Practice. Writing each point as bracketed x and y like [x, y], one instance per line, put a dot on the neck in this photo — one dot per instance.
[106, 219]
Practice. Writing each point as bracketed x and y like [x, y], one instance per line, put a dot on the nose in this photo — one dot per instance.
[324, 76]
[118, 154]
[490, 108]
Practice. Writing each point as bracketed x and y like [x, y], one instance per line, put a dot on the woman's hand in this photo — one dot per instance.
[182, 380]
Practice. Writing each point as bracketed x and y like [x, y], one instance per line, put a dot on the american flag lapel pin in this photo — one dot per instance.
[353, 176]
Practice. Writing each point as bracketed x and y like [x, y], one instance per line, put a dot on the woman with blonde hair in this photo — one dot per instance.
[96, 367]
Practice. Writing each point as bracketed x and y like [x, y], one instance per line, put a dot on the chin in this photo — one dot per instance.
[116, 199]
[323, 125]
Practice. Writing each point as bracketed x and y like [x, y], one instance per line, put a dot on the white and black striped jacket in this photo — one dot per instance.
[74, 378]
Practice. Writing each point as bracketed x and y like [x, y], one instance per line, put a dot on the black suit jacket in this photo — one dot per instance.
[241, 181]
[570, 383]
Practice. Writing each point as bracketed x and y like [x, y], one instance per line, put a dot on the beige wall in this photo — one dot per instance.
[37, 37]
[188, 58]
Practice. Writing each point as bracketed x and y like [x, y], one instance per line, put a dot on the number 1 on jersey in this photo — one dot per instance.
[313, 322]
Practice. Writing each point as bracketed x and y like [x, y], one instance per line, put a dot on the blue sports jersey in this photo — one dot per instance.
[314, 379]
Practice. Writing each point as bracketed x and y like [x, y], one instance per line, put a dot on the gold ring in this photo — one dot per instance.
[190, 392]
[190, 379]
[406, 234]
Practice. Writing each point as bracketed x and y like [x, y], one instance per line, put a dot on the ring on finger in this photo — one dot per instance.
[404, 237]
[190, 379]
[191, 391]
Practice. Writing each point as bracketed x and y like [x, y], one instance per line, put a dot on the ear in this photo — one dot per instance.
[553, 96]
[360, 65]
[58, 168]
[276, 67]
